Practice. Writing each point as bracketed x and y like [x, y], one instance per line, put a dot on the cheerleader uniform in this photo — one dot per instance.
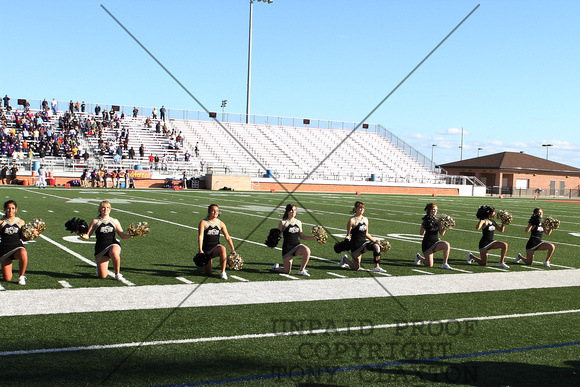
[430, 239]
[291, 235]
[105, 234]
[10, 234]
[536, 233]
[487, 236]
[211, 235]
[358, 235]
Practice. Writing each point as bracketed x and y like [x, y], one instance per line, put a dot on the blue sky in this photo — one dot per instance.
[508, 76]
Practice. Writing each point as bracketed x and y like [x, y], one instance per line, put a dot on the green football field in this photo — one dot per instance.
[524, 336]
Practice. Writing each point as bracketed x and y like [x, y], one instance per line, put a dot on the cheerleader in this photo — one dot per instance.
[535, 242]
[488, 226]
[357, 229]
[430, 228]
[209, 240]
[291, 229]
[11, 246]
[107, 247]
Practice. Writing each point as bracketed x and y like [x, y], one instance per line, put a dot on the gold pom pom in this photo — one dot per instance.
[235, 261]
[33, 229]
[447, 221]
[505, 217]
[139, 229]
[320, 234]
[551, 223]
[385, 245]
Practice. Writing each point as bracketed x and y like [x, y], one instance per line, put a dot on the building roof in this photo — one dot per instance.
[512, 161]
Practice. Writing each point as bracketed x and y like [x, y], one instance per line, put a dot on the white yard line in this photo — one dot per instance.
[65, 284]
[184, 280]
[239, 278]
[76, 300]
[422, 271]
[336, 275]
[283, 333]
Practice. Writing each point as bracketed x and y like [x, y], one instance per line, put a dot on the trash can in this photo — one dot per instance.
[35, 166]
[373, 177]
[137, 167]
[269, 173]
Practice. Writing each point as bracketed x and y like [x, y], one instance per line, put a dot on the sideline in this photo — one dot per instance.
[79, 300]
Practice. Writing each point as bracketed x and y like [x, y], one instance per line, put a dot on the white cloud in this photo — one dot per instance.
[453, 132]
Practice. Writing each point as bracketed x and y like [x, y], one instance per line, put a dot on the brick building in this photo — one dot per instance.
[519, 174]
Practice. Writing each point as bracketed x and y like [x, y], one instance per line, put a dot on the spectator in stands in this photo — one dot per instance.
[83, 107]
[4, 173]
[45, 105]
[158, 127]
[131, 154]
[86, 156]
[154, 113]
[6, 100]
[135, 112]
[11, 246]
[41, 177]
[71, 106]
[156, 161]
[357, 230]
[13, 173]
[196, 149]
[54, 106]
[187, 156]
[291, 229]
[107, 247]
[201, 164]
[162, 111]
[141, 151]
[208, 240]
[97, 110]
[430, 228]
[84, 178]
[77, 106]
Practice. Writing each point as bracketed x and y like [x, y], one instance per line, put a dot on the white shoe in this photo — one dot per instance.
[379, 269]
[304, 273]
[446, 266]
[119, 277]
[223, 275]
[469, 259]
[519, 258]
[342, 262]
[275, 266]
[546, 263]
[417, 259]
[22, 280]
[503, 265]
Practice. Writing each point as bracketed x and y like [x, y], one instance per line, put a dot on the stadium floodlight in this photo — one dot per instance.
[432, 147]
[478, 149]
[250, 58]
[547, 147]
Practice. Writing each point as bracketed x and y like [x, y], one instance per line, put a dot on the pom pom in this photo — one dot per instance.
[505, 217]
[385, 245]
[320, 234]
[77, 225]
[447, 221]
[201, 259]
[139, 229]
[551, 223]
[273, 237]
[339, 247]
[235, 261]
[32, 230]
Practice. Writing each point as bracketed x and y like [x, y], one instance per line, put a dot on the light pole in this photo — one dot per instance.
[478, 149]
[547, 147]
[432, 147]
[224, 103]
[250, 59]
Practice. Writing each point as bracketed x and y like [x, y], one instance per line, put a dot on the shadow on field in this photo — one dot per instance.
[477, 373]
